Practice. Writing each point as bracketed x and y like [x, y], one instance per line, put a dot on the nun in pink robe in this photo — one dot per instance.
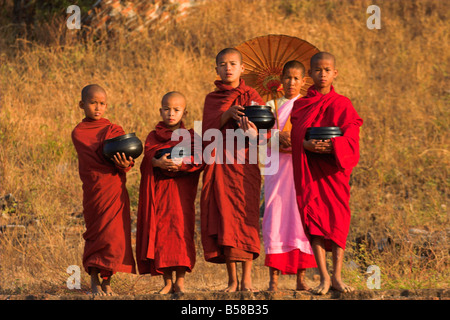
[286, 246]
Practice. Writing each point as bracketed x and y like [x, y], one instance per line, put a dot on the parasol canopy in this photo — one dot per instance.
[264, 58]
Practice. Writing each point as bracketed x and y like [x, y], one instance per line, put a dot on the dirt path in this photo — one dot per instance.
[422, 294]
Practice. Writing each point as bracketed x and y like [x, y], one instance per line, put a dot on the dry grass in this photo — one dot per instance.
[396, 77]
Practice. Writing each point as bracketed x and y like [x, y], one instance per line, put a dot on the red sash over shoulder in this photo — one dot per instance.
[106, 205]
[231, 192]
[322, 181]
[166, 213]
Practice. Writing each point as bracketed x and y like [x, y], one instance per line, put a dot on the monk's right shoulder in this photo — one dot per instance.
[77, 126]
[211, 99]
[299, 102]
[75, 131]
[210, 95]
[151, 135]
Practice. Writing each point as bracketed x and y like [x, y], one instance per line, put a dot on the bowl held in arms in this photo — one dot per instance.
[177, 152]
[127, 143]
[322, 133]
[261, 116]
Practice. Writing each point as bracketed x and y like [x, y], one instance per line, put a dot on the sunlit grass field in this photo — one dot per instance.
[397, 78]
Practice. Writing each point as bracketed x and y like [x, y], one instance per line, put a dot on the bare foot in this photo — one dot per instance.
[340, 286]
[301, 282]
[168, 282]
[179, 280]
[107, 290]
[273, 286]
[106, 287]
[302, 286]
[177, 289]
[168, 288]
[323, 287]
[95, 285]
[273, 283]
[97, 290]
[247, 286]
[178, 286]
[232, 287]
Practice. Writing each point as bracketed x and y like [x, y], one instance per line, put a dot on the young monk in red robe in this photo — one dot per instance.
[231, 192]
[166, 213]
[106, 206]
[322, 168]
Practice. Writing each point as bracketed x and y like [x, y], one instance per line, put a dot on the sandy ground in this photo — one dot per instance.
[422, 294]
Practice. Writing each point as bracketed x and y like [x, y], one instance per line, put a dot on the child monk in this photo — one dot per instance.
[166, 213]
[286, 246]
[231, 191]
[106, 206]
[322, 168]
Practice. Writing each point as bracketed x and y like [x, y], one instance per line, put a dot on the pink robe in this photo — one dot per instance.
[282, 226]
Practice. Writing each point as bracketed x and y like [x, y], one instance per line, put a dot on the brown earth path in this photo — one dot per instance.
[394, 294]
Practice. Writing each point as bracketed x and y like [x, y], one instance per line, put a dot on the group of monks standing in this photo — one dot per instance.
[306, 201]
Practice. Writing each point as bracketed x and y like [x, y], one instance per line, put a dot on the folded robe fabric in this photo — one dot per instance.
[231, 192]
[166, 212]
[106, 205]
[290, 262]
[322, 180]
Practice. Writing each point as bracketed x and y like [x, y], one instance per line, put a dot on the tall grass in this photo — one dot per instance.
[397, 78]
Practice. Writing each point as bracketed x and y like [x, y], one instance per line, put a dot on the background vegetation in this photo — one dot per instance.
[397, 78]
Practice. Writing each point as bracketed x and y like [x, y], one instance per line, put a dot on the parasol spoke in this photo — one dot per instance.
[287, 46]
[250, 61]
[257, 56]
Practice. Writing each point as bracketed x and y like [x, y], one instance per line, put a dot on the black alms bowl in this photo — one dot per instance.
[127, 143]
[180, 151]
[322, 133]
[261, 116]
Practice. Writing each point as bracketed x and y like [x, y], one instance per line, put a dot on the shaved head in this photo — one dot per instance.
[322, 56]
[169, 95]
[89, 89]
[294, 64]
[228, 51]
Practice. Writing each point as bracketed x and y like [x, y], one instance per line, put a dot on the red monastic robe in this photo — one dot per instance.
[166, 213]
[106, 205]
[231, 192]
[322, 180]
